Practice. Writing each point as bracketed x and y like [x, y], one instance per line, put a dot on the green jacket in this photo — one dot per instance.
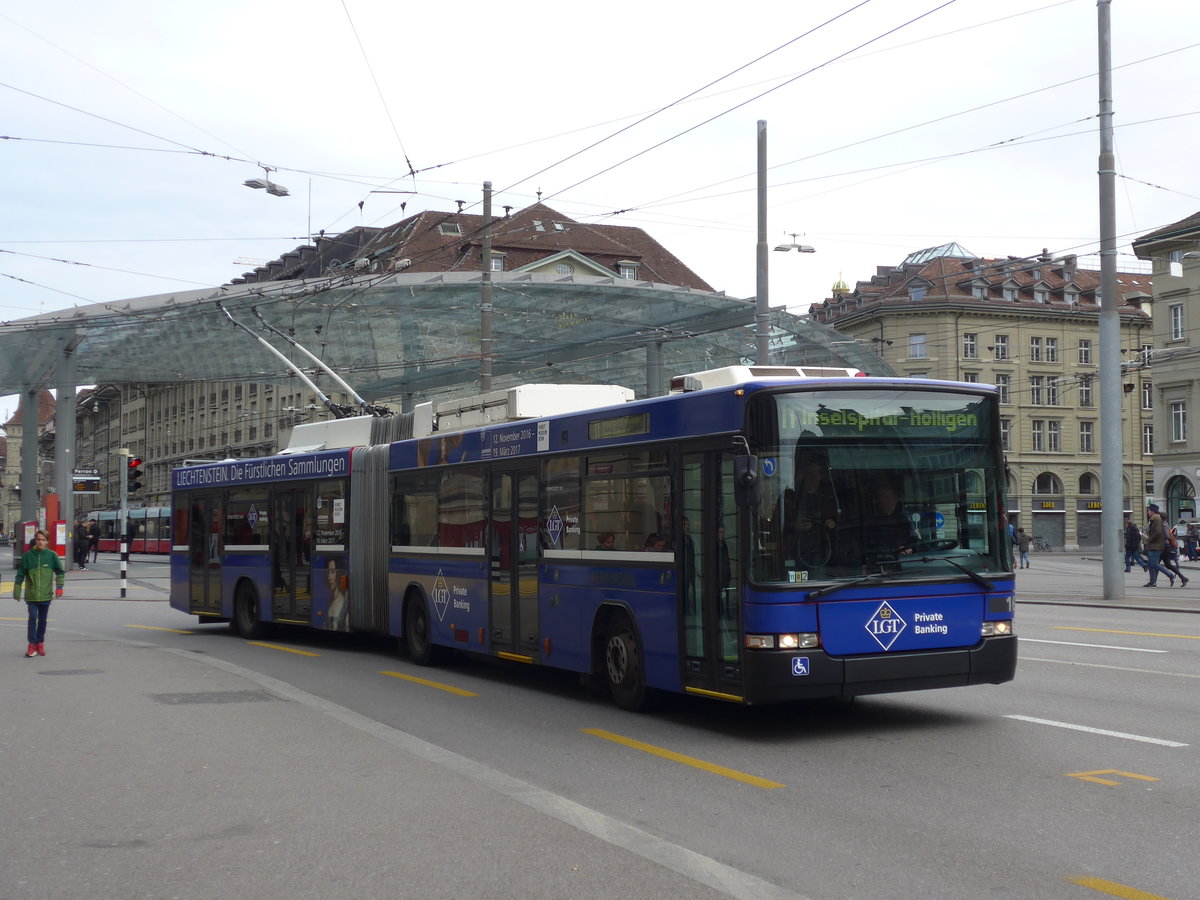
[42, 570]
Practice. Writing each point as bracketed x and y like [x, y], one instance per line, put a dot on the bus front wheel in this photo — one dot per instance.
[246, 622]
[623, 663]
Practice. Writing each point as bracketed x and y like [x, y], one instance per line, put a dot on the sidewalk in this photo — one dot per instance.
[1077, 579]
[147, 579]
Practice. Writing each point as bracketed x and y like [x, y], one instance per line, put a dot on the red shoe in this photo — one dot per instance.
[41, 649]
[31, 652]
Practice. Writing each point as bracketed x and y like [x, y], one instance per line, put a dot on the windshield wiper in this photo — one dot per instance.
[821, 592]
[970, 573]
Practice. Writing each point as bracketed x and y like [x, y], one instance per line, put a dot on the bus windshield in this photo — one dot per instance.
[854, 483]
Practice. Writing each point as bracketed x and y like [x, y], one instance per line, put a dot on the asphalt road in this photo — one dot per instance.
[148, 756]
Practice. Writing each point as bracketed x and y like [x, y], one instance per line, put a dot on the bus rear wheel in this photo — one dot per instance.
[418, 635]
[246, 622]
[623, 664]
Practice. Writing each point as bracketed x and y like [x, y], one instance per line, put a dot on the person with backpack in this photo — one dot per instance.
[41, 575]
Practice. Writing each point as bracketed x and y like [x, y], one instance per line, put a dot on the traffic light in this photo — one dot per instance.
[133, 480]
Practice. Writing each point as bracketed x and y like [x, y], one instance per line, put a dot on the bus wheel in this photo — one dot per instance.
[418, 636]
[623, 662]
[246, 622]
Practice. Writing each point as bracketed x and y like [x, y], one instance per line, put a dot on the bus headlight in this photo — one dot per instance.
[804, 641]
[995, 629]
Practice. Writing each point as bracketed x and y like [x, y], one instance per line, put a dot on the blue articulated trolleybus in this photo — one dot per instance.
[759, 535]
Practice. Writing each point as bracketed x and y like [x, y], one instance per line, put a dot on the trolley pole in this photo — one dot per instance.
[123, 515]
[762, 308]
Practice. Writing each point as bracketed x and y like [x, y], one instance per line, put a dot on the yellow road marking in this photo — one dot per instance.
[1116, 890]
[284, 649]
[1091, 776]
[154, 628]
[448, 688]
[685, 760]
[1186, 637]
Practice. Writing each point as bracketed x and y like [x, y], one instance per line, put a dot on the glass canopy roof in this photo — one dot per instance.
[413, 336]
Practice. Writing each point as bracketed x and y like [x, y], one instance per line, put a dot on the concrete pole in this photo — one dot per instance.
[1112, 454]
[654, 369]
[29, 466]
[762, 309]
[485, 296]
[64, 441]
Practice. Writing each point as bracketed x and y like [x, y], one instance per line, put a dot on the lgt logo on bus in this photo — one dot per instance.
[885, 625]
[440, 595]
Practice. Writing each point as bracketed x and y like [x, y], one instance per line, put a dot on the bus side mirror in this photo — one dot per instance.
[745, 480]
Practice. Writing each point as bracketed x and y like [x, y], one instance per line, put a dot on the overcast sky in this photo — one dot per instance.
[893, 125]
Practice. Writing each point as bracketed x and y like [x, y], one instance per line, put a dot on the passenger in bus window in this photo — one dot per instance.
[606, 541]
[655, 543]
[812, 511]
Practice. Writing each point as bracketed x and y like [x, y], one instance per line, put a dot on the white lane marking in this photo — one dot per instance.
[1067, 662]
[1101, 731]
[1026, 640]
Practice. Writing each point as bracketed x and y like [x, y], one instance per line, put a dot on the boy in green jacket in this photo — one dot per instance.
[41, 571]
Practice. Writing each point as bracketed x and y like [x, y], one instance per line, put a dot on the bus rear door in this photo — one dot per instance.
[204, 555]
[710, 579]
[513, 602]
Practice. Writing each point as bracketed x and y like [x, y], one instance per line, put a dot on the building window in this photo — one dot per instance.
[1052, 392]
[1148, 441]
[1035, 349]
[1085, 352]
[1054, 436]
[1010, 294]
[1178, 421]
[979, 291]
[1086, 444]
[1004, 383]
[1085, 392]
[496, 262]
[627, 270]
[1051, 349]
[1047, 483]
[916, 292]
[1037, 389]
[1040, 295]
[916, 347]
[971, 377]
[1037, 430]
[970, 346]
[1006, 434]
[1000, 348]
[450, 228]
[1177, 321]
[564, 269]
[1147, 395]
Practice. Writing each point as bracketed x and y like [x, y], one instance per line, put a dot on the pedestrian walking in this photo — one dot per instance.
[40, 573]
[1170, 558]
[1133, 546]
[1156, 542]
[94, 538]
[1023, 542]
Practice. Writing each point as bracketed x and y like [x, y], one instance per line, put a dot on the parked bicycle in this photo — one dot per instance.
[1040, 545]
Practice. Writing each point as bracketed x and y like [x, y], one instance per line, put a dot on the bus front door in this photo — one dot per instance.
[710, 598]
[204, 556]
[513, 550]
[291, 556]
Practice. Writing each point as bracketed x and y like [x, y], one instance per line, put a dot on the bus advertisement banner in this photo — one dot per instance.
[325, 464]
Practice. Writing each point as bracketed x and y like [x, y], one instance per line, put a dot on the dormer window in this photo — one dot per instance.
[1041, 295]
[1071, 296]
[450, 228]
[979, 291]
[1010, 294]
[916, 292]
[496, 262]
[559, 226]
[627, 269]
